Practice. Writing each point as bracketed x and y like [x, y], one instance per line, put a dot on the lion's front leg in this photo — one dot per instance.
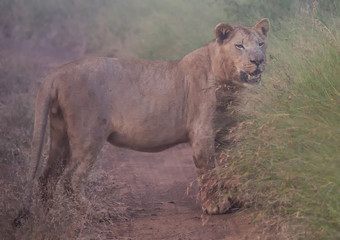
[202, 144]
[203, 147]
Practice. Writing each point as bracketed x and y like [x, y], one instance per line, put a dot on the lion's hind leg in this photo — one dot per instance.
[58, 157]
[85, 146]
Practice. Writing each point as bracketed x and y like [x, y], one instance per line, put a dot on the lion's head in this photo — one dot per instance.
[240, 55]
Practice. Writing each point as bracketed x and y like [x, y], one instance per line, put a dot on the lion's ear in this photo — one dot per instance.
[262, 26]
[222, 31]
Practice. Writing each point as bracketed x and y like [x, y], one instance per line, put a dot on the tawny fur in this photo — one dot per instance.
[137, 104]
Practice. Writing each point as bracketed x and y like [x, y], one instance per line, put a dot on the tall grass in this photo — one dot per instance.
[287, 163]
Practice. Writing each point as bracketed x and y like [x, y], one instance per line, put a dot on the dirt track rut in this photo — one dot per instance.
[158, 194]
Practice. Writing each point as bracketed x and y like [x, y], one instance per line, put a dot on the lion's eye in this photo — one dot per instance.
[261, 44]
[239, 46]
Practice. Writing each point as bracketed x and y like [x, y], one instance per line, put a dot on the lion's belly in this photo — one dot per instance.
[147, 137]
[150, 122]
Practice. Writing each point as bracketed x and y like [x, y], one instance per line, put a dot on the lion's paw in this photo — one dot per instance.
[213, 207]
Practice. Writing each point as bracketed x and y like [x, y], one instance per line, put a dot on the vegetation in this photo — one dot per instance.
[285, 162]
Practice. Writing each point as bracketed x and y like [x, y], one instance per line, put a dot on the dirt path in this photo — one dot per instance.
[157, 198]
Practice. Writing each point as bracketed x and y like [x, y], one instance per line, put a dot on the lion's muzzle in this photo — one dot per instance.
[252, 78]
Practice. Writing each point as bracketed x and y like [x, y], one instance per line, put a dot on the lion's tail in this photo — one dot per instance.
[42, 105]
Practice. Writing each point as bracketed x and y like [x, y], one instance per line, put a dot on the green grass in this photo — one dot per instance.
[287, 164]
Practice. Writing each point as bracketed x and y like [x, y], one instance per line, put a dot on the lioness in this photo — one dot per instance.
[138, 104]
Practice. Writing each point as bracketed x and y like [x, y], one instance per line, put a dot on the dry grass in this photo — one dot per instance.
[98, 218]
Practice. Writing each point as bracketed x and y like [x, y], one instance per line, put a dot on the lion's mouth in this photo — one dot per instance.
[252, 78]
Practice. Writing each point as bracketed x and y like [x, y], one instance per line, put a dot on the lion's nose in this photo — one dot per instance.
[257, 62]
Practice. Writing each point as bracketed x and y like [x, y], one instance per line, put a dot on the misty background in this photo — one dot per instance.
[301, 82]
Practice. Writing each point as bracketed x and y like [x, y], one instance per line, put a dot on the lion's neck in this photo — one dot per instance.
[214, 63]
[221, 64]
[197, 60]
[206, 67]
